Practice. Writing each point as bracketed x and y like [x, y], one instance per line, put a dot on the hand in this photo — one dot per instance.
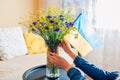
[59, 61]
[66, 48]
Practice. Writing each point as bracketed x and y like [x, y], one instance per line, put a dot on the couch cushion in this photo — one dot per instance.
[35, 43]
[12, 42]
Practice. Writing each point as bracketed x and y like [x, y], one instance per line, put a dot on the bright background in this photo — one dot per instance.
[106, 15]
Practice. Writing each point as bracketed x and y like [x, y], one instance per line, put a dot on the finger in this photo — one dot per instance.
[51, 59]
[55, 55]
[64, 42]
[51, 53]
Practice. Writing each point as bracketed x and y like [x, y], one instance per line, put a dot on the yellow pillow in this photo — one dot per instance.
[35, 43]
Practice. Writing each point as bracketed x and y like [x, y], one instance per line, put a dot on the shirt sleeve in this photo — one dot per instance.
[74, 74]
[93, 71]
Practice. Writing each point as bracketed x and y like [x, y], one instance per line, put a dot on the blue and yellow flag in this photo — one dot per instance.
[82, 24]
[87, 38]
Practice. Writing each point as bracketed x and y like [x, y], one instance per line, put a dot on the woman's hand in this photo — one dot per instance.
[66, 48]
[59, 61]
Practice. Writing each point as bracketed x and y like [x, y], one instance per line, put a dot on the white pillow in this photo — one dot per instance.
[12, 43]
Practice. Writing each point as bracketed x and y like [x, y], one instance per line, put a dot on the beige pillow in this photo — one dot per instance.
[35, 43]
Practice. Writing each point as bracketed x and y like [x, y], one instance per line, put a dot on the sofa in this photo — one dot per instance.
[20, 51]
[14, 69]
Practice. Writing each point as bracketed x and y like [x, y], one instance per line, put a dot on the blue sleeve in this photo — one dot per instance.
[74, 74]
[93, 71]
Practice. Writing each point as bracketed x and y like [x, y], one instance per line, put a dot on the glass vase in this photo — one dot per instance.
[52, 71]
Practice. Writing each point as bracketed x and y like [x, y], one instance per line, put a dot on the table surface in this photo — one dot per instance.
[38, 73]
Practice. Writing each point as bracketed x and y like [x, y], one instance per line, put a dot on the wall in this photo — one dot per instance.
[11, 10]
[43, 4]
[47, 3]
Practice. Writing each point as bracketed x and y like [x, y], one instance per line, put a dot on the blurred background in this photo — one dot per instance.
[103, 15]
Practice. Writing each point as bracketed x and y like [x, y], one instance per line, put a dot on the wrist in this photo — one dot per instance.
[72, 55]
[67, 68]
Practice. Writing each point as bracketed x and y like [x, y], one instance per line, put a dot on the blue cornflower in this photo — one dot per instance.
[62, 18]
[51, 21]
[34, 23]
[67, 24]
[57, 23]
[48, 16]
[57, 29]
[71, 23]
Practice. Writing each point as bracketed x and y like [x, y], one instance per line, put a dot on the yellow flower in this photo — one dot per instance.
[76, 36]
[57, 13]
[63, 28]
[51, 27]
[43, 17]
[62, 11]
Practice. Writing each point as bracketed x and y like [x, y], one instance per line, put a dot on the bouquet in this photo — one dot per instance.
[53, 26]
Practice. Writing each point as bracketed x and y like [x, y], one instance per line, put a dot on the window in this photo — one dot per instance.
[107, 13]
[102, 13]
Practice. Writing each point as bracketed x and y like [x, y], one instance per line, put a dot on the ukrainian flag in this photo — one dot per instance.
[87, 38]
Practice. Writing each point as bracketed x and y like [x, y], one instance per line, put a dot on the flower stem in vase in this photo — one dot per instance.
[52, 71]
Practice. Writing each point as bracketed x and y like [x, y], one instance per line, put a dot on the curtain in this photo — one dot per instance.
[108, 28]
[79, 6]
[107, 13]
[107, 55]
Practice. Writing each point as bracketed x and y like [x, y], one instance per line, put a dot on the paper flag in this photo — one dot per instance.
[82, 24]
[80, 44]
[87, 38]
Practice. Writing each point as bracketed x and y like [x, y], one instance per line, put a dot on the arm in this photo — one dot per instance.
[90, 69]
[93, 71]
[74, 74]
